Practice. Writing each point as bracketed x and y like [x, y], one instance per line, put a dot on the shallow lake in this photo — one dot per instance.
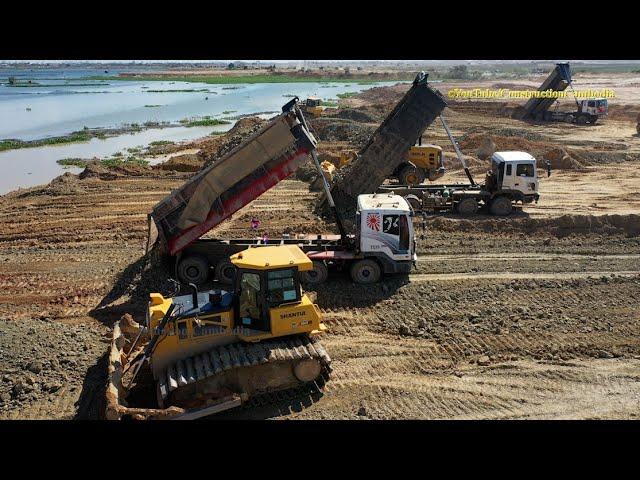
[62, 103]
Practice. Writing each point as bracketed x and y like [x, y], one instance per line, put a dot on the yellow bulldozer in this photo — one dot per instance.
[210, 351]
[313, 106]
[423, 162]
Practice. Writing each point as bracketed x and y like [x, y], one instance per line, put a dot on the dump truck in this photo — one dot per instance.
[246, 172]
[511, 182]
[211, 351]
[387, 149]
[588, 111]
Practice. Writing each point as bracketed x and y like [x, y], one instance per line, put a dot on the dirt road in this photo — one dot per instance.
[535, 316]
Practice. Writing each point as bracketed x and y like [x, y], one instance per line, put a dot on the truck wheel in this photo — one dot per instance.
[468, 206]
[594, 119]
[365, 271]
[501, 206]
[193, 269]
[318, 275]
[411, 175]
[414, 202]
[582, 119]
[225, 271]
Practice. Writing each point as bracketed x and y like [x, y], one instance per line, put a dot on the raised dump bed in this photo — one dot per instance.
[388, 145]
[558, 80]
[270, 155]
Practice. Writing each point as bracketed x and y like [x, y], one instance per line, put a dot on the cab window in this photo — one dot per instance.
[592, 103]
[525, 170]
[282, 286]
[508, 170]
[250, 296]
[390, 224]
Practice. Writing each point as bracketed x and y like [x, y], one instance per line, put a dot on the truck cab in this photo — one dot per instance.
[513, 174]
[594, 108]
[385, 229]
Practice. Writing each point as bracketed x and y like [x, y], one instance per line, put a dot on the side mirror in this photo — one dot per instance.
[548, 165]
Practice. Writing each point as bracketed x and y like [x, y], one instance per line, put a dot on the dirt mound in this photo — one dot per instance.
[215, 147]
[96, 170]
[560, 158]
[357, 115]
[559, 227]
[333, 129]
[188, 162]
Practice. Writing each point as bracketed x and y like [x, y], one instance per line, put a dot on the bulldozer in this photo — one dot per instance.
[422, 162]
[214, 350]
[313, 106]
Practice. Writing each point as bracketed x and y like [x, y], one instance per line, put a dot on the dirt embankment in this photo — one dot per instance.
[559, 226]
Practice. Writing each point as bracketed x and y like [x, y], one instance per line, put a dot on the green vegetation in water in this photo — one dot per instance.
[330, 103]
[233, 79]
[157, 143]
[152, 106]
[346, 94]
[74, 137]
[227, 112]
[203, 122]
[106, 162]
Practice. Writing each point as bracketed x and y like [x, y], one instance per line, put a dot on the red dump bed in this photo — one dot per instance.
[231, 182]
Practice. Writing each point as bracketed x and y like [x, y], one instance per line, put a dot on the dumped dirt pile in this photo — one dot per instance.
[234, 137]
[188, 162]
[483, 145]
[355, 114]
[334, 129]
[559, 227]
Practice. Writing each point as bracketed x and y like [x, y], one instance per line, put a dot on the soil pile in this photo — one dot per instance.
[560, 158]
[188, 162]
[357, 115]
[342, 130]
[216, 147]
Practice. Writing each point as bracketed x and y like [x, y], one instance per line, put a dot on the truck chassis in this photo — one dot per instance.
[456, 198]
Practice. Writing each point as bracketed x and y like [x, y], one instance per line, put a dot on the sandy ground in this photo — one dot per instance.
[535, 316]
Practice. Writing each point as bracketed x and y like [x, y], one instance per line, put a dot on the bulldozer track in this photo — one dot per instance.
[197, 368]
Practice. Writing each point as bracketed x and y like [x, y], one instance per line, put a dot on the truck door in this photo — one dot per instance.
[508, 178]
[525, 179]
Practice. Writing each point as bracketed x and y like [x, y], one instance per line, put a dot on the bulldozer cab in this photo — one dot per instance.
[426, 156]
[268, 288]
[313, 102]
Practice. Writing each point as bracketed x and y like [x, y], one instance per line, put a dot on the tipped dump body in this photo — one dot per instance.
[558, 80]
[230, 183]
[388, 145]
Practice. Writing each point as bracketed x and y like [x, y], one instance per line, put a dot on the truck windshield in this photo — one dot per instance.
[525, 170]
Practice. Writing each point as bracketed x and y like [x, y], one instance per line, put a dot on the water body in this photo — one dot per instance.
[65, 101]
[28, 167]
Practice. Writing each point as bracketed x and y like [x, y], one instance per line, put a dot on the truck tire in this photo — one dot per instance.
[582, 119]
[501, 206]
[365, 271]
[193, 269]
[411, 175]
[414, 202]
[594, 119]
[225, 271]
[316, 276]
[467, 206]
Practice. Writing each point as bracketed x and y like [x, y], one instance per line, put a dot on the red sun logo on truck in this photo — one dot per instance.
[373, 221]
